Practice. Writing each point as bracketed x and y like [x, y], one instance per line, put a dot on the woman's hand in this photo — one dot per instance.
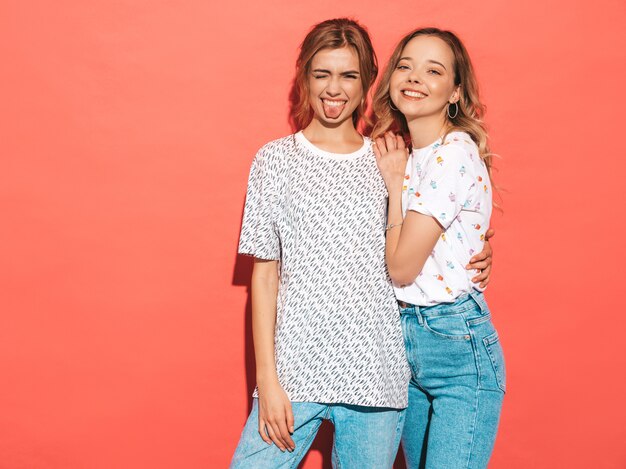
[482, 261]
[276, 421]
[391, 157]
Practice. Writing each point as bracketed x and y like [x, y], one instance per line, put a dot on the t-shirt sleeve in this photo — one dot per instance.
[446, 185]
[259, 237]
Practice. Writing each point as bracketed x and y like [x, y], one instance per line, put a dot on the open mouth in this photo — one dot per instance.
[333, 107]
[413, 94]
[334, 102]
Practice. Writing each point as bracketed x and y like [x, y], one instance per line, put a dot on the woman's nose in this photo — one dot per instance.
[333, 87]
[413, 77]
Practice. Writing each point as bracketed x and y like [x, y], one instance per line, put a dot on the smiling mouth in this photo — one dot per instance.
[413, 94]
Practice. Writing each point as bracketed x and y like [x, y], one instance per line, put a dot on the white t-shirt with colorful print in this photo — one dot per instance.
[448, 181]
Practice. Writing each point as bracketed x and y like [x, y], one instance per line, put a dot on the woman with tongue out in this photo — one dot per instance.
[439, 209]
[327, 335]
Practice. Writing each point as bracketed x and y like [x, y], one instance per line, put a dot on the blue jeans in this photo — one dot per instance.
[457, 385]
[365, 437]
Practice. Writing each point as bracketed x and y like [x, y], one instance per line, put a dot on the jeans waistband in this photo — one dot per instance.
[466, 302]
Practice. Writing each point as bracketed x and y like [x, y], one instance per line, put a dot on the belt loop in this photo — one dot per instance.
[414, 309]
[418, 315]
[479, 300]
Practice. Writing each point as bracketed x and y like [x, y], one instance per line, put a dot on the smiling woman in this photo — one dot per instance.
[440, 206]
[434, 49]
[422, 85]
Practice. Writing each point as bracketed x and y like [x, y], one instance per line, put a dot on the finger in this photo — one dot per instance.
[382, 145]
[483, 284]
[483, 276]
[276, 427]
[490, 234]
[390, 140]
[482, 256]
[272, 434]
[263, 433]
[290, 420]
[400, 142]
[272, 431]
[480, 265]
[286, 437]
[282, 434]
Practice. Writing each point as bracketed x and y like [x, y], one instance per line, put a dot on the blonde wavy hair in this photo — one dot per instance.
[470, 116]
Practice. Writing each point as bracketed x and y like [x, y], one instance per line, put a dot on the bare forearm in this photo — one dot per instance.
[408, 247]
[264, 294]
[394, 227]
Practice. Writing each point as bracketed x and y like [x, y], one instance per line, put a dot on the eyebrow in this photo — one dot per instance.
[431, 61]
[349, 72]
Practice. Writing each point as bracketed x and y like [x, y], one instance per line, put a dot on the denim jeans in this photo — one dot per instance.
[457, 385]
[365, 437]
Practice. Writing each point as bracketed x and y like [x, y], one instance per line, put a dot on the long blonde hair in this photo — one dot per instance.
[471, 110]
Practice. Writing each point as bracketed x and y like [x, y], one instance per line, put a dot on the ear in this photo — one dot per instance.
[456, 95]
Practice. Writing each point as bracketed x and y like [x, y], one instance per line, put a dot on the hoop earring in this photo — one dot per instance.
[456, 110]
[391, 106]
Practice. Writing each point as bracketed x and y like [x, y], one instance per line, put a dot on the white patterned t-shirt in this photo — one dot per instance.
[338, 337]
[448, 181]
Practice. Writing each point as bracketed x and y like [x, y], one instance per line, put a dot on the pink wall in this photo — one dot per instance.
[126, 133]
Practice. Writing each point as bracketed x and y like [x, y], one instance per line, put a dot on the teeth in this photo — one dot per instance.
[333, 103]
[414, 94]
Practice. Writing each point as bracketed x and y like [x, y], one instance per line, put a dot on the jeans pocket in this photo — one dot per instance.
[496, 357]
[448, 326]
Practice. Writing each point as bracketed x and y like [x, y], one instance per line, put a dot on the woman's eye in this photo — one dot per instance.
[352, 77]
[319, 76]
[402, 67]
[434, 72]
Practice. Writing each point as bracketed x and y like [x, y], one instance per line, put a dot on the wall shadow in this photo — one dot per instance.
[322, 444]
[242, 274]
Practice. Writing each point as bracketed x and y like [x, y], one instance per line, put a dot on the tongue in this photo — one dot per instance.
[332, 112]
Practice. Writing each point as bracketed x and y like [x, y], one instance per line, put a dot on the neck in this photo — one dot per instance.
[427, 129]
[318, 131]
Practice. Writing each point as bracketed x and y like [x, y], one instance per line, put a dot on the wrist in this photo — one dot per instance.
[393, 225]
[266, 377]
[395, 190]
